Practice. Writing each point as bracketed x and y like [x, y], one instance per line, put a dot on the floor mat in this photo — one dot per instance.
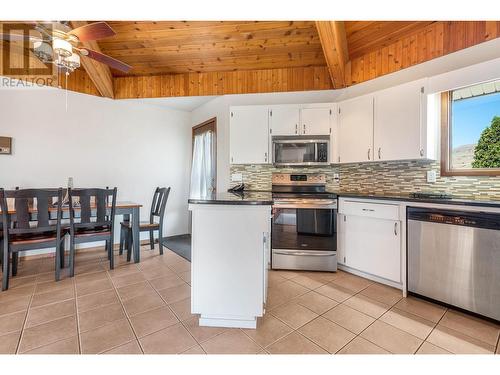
[180, 244]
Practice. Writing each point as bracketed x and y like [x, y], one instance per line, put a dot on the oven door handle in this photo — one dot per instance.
[305, 253]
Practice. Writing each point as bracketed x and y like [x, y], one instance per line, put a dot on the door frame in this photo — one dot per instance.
[210, 124]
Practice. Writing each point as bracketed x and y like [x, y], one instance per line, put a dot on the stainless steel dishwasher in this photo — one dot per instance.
[454, 257]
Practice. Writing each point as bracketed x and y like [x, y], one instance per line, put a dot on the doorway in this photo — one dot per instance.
[204, 159]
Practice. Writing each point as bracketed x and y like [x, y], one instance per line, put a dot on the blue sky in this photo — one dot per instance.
[471, 116]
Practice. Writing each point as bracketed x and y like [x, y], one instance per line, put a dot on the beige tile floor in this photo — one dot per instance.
[145, 308]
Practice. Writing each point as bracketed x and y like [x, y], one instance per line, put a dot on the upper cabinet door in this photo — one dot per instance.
[249, 135]
[398, 122]
[356, 130]
[284, 121]
[315, 121]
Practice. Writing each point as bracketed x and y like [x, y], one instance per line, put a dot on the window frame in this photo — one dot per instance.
[446, 146]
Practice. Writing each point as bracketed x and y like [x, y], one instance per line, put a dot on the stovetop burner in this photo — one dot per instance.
[430, 195]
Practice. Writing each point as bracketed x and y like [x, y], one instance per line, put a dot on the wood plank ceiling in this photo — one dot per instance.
[176, 58]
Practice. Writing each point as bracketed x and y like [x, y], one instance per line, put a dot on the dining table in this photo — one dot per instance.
[129, 210]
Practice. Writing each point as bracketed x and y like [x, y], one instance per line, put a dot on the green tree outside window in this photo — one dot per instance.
[487, 151]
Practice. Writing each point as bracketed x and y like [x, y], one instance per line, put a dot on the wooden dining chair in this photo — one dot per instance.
[158, 205]
[36, 224]
[95, 221]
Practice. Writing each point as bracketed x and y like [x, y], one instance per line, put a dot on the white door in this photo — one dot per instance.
[284, 121]
[315, 121]
[356, 130]
[398, 122]
[373, 246]
[249, 135]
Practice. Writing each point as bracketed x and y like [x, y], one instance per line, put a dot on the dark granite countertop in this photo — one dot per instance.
[256, 198]
[408, 198]
[250, 197]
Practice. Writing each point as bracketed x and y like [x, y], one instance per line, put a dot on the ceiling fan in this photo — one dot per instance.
[60, 45]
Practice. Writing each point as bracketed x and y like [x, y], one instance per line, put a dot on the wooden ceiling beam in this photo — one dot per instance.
[99, 73]
[334, 43]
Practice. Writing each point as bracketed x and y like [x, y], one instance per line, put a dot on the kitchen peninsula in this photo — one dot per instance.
[230, 258]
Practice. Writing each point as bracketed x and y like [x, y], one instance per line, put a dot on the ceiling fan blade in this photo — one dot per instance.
[93, 31]
[105, 59]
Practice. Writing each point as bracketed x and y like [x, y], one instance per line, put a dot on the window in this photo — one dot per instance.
[470, 131]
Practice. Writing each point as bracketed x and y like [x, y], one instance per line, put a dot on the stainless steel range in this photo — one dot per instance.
[304, 228]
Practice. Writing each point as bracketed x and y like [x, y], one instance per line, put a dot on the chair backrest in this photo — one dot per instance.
[35, 211]
[93, 203]
[160, 198]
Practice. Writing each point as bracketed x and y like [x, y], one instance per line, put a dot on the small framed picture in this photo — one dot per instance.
[5, 145]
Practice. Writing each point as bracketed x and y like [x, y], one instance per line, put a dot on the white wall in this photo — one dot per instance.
[447, 73]
[99, 142]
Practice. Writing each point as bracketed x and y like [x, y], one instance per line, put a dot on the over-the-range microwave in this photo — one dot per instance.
[300, 150]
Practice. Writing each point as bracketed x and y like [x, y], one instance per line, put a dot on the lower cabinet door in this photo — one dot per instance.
[373, 246]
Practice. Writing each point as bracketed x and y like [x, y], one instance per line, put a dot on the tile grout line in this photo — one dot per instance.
[115, 289]
[432, 330]
[171, 310]
[24, 323]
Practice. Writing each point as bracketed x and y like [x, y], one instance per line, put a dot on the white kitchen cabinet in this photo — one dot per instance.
[369, 238]
[249, 135]
[355, 130]
[399, 117]
[315, 121]
[229, 263]
[284, 120]
[373, 246]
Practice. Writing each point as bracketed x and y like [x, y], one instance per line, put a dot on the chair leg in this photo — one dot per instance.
[72, 257]
[122, 240]
[151, 240]
[58, 261]
[62, 255]
[15, 262]
[160, 239]
[111, 254]
[129, 245]
[5, 266]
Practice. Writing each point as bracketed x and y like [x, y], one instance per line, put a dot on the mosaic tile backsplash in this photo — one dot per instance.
[400, 177]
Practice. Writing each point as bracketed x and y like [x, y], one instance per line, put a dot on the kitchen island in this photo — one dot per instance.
[230, 258]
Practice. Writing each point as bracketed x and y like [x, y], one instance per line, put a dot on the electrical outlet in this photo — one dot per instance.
[237, 177]
[336, 177]
[431, 176]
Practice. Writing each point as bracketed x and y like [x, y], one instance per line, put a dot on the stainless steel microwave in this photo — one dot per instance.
[301, 150]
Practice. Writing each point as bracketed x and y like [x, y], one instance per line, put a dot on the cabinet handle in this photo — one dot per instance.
[379, 149]
[368, 209]
[369, 154]
[304, 128]
[296, 128]
[265, 157]
[396, 229]
[421, 152]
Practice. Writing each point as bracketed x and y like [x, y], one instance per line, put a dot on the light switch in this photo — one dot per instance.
[431, 176]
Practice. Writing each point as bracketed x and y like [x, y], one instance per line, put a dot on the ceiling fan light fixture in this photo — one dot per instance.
[73, 62]
[43, 51]
[62, 47]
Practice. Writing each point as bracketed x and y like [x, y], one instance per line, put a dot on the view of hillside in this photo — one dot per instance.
[462, 156]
